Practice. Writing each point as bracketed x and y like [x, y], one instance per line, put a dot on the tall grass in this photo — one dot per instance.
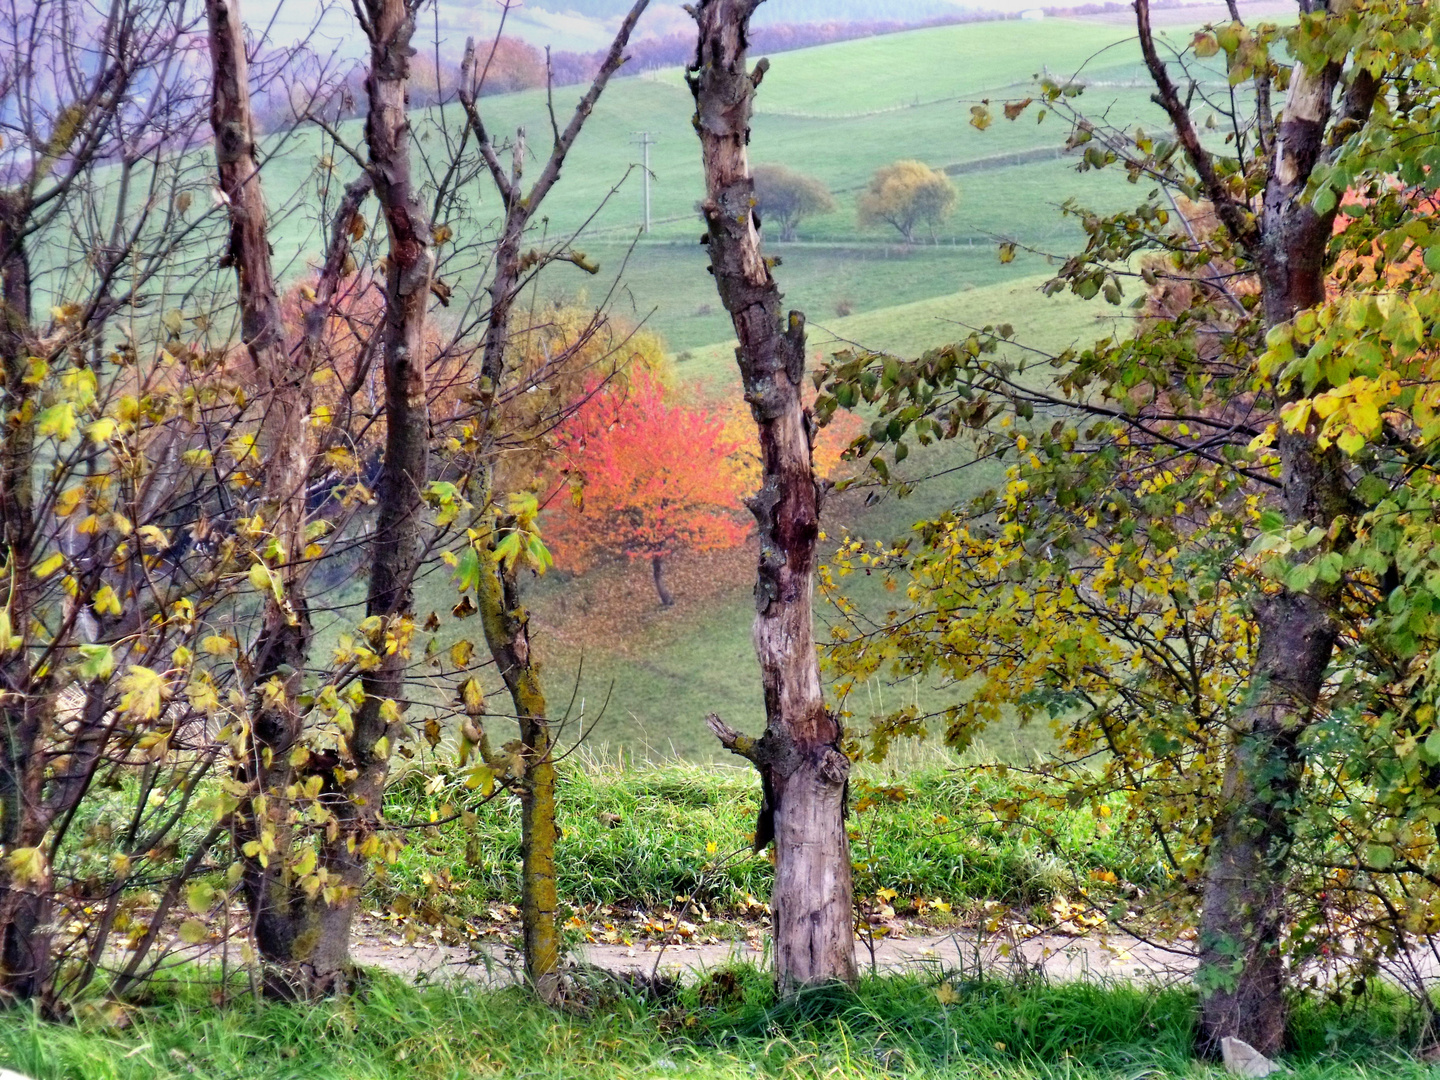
[727, 1026]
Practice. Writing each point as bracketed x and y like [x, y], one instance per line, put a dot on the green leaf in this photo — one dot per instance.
[199, 896]
[98, 662]
[192, 932]
[1380, 856]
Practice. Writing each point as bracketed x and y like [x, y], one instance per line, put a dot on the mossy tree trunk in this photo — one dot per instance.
[505, 621]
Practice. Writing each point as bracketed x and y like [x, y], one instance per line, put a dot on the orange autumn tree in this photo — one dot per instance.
[647, 479]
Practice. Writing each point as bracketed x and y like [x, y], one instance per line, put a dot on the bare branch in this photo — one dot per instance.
[1230, 213]
[737, 742]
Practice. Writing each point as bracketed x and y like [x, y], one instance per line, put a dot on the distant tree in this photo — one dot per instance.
[785, 196]
[648, 478]
[907, 194]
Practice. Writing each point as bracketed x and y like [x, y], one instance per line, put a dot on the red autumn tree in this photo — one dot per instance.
[647, 478]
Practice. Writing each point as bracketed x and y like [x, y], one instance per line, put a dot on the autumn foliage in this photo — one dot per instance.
[646, 479]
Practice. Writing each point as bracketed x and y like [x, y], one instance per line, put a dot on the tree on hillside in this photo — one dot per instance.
[786, 196]
[648, 479]
[905, 195]
[804, 772]
[1180, 544]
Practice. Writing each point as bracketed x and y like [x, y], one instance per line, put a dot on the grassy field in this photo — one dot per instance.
[938, 1025]
[699, 658]
[643, 837]
[838, 112]
[645, 677]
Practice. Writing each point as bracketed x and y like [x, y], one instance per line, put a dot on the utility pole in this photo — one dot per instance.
[643, 138]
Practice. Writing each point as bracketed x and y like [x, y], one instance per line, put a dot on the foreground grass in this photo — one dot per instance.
[727, 1026]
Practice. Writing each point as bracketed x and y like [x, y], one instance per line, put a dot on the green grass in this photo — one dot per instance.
[727, 1027]
[838, 112]
[642, 837]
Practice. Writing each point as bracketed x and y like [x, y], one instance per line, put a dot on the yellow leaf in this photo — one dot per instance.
[144, 693]
[27, 865]
[106, 602]
[68, 500]
[216, 645]
[192, 931]
[50, 565]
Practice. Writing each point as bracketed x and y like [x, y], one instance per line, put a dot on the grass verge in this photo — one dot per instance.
[726, 1026]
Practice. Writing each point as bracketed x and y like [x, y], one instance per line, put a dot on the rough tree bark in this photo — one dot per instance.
[1241, 970]
[505, 621]
[803, 771]
[282, 917]
[388, 26]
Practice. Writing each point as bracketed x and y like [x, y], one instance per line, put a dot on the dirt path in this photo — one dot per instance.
[1110, 956]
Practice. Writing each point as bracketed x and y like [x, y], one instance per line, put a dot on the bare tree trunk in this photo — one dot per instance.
[280, 914]
[657, 569]
[804, 773]
[1241, 972]
[399, 518]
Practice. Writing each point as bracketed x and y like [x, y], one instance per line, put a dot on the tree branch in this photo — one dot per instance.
[1230, 213]
[612, 63]
[737, 742]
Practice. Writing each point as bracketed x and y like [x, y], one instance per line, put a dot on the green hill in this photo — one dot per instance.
[838, 112]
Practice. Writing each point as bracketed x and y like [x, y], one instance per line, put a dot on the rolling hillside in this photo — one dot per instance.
[837, 112]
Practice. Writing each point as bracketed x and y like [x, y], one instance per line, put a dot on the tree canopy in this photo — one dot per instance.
[786, 196]
[905, 195]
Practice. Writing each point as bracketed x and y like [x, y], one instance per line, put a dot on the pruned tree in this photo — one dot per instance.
[905, 195]
[645, 478]
[787, 197]
[803, 770]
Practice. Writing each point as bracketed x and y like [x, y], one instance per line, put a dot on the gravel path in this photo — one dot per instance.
[1059, 957]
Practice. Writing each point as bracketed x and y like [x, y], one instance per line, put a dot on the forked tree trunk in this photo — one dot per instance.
[283, 919]
[504, 619]
[803, 771]
[1241, 972]
[657, 570]
[389, 25]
